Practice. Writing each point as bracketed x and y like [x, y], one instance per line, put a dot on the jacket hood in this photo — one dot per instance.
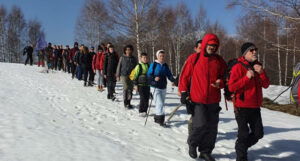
[209, 39]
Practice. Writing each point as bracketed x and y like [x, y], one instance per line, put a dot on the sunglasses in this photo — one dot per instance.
[255, 49]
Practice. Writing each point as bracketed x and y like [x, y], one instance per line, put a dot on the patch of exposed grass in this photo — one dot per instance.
[287, 108]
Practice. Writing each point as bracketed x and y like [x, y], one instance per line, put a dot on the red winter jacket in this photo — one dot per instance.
[248, 92]
[72, 53]
[198, 78]
[98, 61]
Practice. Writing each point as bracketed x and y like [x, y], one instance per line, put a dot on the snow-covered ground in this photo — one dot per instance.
[50, 117]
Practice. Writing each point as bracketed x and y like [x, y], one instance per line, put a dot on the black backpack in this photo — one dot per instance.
[227, 94]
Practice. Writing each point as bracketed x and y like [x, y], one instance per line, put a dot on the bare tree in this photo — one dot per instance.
[92, 24]
[34, 31]
[128, 17]
[2, 33]
[15, 34]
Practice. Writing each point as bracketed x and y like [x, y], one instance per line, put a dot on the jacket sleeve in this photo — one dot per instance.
[237, 81]
[150, 70]
[169, 74]
[119, 67]
[105, 66]
[186, 75]
[94, 62]
[134, 73]
[265, 82]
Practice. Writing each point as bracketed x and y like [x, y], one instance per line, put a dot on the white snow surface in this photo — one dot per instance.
[50, 117]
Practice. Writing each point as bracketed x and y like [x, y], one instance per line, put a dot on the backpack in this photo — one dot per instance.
[294, 95]
[230, 64]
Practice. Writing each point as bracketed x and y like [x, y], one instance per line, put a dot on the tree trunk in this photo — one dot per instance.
[137, 29]
[279, 61]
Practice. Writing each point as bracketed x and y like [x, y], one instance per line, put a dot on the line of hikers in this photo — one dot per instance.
[203, 76]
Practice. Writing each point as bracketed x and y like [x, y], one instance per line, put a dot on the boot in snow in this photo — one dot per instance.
[193, 151]
[206, 157]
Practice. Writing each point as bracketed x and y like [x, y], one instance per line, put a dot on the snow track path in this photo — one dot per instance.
[51, 117]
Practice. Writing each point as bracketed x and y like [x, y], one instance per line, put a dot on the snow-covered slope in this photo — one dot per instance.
[50, 117]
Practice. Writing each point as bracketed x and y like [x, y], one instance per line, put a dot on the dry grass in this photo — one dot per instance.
[287, 108]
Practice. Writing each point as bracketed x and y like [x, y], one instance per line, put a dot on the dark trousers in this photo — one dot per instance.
[29, 58]
[73, 69]
[111, 84]
[88, 72]
[144, 92]
[204, 127]
[247, 118]
[79, 72]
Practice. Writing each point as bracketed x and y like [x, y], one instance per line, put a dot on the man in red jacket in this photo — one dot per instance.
[205, 94]
[246, 81]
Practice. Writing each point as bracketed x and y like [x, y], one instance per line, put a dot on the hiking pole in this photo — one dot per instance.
[173, 112]
[149, 107]
[292, 84]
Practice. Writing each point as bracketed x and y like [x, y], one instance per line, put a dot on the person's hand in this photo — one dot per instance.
[258, 68]
[216, 84]
[173, 84]
[105, 76]
[184, 97]
[118, 79]
[157, 79]
[136, 88]
[250, 74]
[101, 72]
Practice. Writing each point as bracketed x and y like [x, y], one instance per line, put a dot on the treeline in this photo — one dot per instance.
[16, 33]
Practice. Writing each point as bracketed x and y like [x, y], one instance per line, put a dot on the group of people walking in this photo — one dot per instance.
[203, 76]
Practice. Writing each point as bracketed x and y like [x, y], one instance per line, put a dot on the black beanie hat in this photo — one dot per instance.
[246, 47]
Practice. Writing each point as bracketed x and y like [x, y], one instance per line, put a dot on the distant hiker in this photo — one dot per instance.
[85, 62]
[73, 52]
[139, 77]
[246, 81]
[78, 61]
[41, 57]
[66, 61]
[59, 57]
[188, 69]
[109, 71]
[205, 77]
[92, 53]
[126, 64]
[158, 73]
[48, 57]
[28, 50]
[98, 62]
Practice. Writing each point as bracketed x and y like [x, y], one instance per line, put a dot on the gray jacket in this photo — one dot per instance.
[126, 65]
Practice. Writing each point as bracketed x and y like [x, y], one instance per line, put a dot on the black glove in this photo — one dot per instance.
[184, 97]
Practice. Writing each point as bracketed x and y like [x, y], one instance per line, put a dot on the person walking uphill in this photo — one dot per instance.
[86, 60]
[126, 64]
[73, 52]
[246, 81]
[158, 73]
[28, 50]
[139, 77]
[205, 95]
[109, 71]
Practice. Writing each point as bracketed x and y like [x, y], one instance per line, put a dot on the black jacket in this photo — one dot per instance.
[110, 64]
[86, 60]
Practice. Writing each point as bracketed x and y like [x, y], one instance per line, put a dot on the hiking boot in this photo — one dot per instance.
[90, 84]
[193, 151]
[84, 84]
[206, 157]
[142, 114]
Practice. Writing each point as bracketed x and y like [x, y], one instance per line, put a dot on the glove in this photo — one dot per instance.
[184, 97]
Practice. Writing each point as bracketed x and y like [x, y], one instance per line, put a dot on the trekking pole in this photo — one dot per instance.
[149, 107]
[173, 112]
[292, 84]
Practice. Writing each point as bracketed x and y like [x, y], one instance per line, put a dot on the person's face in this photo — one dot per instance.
[251, 55]
[100, 51]
[92, 50]
[211, 49]
[81, 48]
[144, 59]
[161, 57]
[128, 51]
[198, 48]
[111, 50]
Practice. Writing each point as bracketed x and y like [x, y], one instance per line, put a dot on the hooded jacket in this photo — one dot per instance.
[98, 61]
[248, 92]
[198, 77]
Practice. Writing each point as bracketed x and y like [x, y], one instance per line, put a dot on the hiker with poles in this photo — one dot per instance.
[206, 80]
[157, 74]
[247, 78]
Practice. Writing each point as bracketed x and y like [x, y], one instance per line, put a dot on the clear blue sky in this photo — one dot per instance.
[58, 17]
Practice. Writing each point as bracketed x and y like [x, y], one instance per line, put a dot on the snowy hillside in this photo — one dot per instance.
[50, 117]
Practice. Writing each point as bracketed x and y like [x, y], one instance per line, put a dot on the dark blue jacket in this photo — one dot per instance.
[162, 71]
